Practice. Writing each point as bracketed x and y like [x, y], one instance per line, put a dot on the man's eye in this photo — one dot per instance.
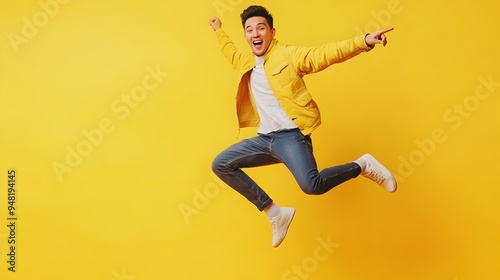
[249, 30]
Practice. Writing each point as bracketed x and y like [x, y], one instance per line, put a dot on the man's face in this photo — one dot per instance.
[258, 34]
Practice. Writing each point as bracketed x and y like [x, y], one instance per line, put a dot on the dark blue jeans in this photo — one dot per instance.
[289, 147]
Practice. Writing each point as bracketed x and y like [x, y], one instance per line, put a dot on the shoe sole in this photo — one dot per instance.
[288, 223]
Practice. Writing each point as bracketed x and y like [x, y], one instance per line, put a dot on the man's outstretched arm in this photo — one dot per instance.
[227, 47]
[311, 60]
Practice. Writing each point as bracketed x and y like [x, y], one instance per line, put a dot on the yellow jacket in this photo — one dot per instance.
[285, 67]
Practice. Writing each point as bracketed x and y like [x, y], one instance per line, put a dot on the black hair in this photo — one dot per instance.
[256, 11]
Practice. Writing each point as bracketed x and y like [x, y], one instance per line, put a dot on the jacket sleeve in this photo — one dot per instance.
[228, 49]
[310, 60]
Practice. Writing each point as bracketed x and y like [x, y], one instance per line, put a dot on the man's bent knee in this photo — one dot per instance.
[217, 166]
[311, 189]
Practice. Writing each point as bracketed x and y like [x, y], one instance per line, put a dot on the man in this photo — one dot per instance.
[273, 97]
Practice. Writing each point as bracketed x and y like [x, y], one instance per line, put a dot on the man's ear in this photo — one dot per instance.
[273, 32]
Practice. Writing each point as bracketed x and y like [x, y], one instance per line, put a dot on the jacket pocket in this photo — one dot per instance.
[281, 74]
[279, 68]
[303, 98]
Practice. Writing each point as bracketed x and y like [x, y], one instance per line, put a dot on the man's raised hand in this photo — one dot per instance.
[377, 37]
[215, 23]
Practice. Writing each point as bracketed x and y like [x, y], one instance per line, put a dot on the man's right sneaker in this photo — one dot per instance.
[378, 173]
[280, 225]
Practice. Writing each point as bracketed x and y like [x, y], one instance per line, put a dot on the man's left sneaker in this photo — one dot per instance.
[378, 173]
[280, 224]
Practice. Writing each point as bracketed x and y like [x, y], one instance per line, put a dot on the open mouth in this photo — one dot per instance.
[257, 43]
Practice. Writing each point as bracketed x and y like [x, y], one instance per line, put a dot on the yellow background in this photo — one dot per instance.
[143, 203]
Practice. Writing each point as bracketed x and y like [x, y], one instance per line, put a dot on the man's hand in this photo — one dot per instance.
[215, 23]
[377, 37]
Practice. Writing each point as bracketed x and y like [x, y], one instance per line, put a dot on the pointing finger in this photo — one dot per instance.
[385, 31]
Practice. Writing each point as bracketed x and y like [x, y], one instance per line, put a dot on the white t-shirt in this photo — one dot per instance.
[272, 117]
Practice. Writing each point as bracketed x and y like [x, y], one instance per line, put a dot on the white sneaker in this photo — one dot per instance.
[280, 225]
[378, 173]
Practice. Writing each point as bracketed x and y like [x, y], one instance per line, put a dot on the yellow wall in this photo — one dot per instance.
[111, 113]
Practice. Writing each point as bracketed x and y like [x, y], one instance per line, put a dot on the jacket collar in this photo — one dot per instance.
[269, 49]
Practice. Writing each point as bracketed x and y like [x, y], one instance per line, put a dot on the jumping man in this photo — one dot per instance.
[272, 96]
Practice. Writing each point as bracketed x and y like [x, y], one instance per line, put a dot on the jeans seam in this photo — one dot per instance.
[261, 203]
[226, 165]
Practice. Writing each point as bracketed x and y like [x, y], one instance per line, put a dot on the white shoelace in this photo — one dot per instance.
[274, 226]
[375, 176]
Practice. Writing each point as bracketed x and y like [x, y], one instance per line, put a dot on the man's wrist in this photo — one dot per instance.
[366, 42]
